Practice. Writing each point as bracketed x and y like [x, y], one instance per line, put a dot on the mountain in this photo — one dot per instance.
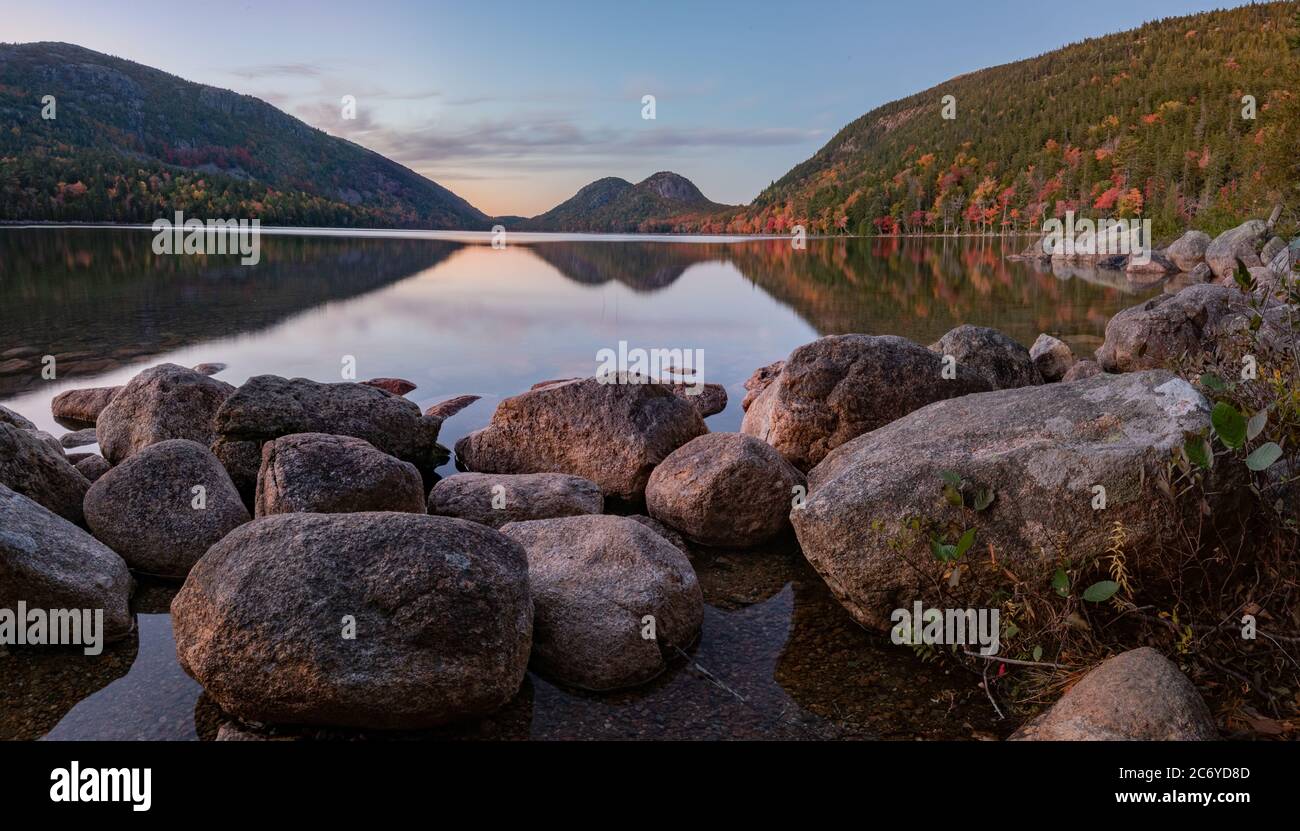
[130, 144]
[1149, 122]
[657, 204]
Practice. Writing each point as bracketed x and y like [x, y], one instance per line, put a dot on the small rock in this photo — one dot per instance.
[446, 409]
[710, 400]
[147, 510]
[1137, 695]
[594, 581]
[1237, 245]
[209, 368]
[1002, 361]
[80, 438]
[1082, 369]
[724, 489]
[397, 386]
[325, 474]
[522, 497]
[1051, 356]
[759, 381]
[92, 467]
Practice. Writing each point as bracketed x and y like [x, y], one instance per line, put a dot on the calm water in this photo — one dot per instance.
[778, 658]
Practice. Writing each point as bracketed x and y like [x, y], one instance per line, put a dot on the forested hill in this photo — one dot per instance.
[130, 144]
[658, 203]
[1147, 122]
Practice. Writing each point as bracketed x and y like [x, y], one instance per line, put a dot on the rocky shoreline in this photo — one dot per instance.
[331, 578]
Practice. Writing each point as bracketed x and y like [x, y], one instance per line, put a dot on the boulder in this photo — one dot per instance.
[369, 620]
[1155, 266]
[1082, 369]
[1188, 251]
[839, 387]
[92, 467]
[759, 381]
[678, 541]
[84, 405]
[1052, 357]
[163, 402]
[49, 563]
[147, 510]
[594, 581]
[1028, 460]
[724, 489]
[1193, 321]
[710, 400]
[242, 459]
[612, 433]
[1002, 361]
[1271, 250]
[325, 474]
[1237, 245]
[13, 419]
[521, 496]
[210, 368]
[397, 386]
[268, 406]
[32, 467]
[1137, 695]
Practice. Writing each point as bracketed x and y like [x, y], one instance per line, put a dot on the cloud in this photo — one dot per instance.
[296, 70]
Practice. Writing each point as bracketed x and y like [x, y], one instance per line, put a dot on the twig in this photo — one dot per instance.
[1002, 660]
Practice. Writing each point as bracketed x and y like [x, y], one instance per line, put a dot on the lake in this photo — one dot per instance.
[778, 657]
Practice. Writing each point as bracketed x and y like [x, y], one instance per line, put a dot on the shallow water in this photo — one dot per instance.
[778, 657]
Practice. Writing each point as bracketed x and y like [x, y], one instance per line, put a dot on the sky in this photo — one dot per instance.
[515, 106]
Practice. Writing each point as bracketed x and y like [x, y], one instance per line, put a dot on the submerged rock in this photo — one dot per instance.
[49, 563]
[444, 410]
[326, 474]
[79, 438]
[1052, 357]
[520, 497]
[1030, 460]
[82, 405]
[594, 582]
[163, 402]
[724, 489]
[371, 620]
[147, 508]
[210, 368]
[397, 386]
[611, 433]
[32, 467]
[1137, 695]
[839, 387]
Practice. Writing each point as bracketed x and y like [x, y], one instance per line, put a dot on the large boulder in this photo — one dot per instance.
[611, 431]
[41, 472]
[148, 510]
[724, 489]
[1137, 695]
[84, 405]
[839, 387]
[268, 406]
[371, 620]
[498, 498]
[163, 402]
[1236, 245]
[595, 580]
[13, 419]
[327, 474]
[1028, 460]
[49, 563]
[1193, 321]
[1188, 251]
[1082, 369]
[1000, 359]
[1051, 356]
